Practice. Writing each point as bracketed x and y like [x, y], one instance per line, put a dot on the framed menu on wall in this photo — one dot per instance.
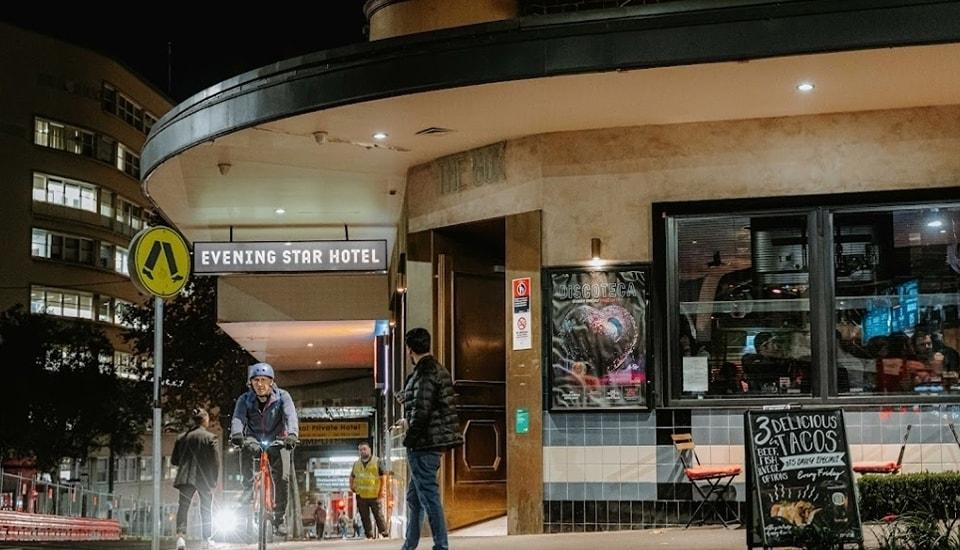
[597, 336]
[799, 477]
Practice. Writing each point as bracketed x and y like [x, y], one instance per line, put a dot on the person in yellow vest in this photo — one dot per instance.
[369, 482]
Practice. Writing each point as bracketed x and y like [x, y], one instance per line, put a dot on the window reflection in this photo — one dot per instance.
[744, 306]
[897, 301]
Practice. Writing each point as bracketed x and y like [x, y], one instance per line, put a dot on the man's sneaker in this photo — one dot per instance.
[181, 544]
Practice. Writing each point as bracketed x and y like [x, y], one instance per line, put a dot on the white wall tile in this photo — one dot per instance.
[611, 454]
[593, 455]
[856, 453]
[574, 455]
[720, 454]
[630, 455]
[576, 473]
[647, 454]
[951, 453]
[873, 453]
[593, 472]
[647, 473]
[890, 452]
[630, 473]
[913, 454]
[737, 455]
[611, 473]
[912, 468]
[931, 453]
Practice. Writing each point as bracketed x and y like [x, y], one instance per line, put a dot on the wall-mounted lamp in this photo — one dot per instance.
[596, 252]
[402, 273]
[224, 168]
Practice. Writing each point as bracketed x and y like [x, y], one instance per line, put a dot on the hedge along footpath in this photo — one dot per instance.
[937, 493]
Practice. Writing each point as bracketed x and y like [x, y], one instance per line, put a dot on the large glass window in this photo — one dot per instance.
[744, 315]
[64, 137]
[120, 261]
[828, 300]
[55, 246]
[64, 192]
[61, 302]
[106, 203]
[896, 301]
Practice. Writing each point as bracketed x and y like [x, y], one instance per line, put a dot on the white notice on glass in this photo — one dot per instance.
[696, 374]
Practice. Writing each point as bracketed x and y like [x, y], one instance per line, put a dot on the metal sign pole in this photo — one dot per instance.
[157, 416]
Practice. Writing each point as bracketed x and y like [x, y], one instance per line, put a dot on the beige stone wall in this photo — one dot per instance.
[601, 183]
[399, 18]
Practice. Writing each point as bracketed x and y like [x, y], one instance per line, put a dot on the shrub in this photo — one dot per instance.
[935, 493]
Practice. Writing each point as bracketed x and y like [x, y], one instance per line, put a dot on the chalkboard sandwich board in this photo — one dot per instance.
[799, 477]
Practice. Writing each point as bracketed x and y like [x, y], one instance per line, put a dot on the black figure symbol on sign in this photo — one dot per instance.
[154, 255]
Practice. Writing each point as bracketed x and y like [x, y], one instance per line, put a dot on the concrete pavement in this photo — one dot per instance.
[714, 538]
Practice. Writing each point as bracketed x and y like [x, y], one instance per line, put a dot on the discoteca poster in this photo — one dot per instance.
[599, 345]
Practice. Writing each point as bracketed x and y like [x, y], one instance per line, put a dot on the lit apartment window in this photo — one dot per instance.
[57, 135]
[117, 103]
[40, 243]
[129, 213]
[64, 137]
[127, 161]
[105, 309]
[106, 203]
[105, 259]
[61, 302]
[120, 260]
[57, 246]
[64, 192]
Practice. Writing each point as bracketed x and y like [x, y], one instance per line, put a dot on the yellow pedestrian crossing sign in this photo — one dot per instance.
[159, 262]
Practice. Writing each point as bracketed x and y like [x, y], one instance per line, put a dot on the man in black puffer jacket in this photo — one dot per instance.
[430, 417]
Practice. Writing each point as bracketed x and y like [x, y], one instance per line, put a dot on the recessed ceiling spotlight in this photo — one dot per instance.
[380, 136]
[319, 362]
[309, 344]
[280, 211]
[805, 87]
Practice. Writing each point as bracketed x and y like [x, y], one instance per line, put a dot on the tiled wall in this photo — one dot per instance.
[610, 471]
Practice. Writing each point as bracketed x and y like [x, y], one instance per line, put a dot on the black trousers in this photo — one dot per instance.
[365, 506]
[186, 496]
[279, 481]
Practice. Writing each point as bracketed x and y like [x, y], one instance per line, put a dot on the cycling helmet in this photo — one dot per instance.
[260, 369]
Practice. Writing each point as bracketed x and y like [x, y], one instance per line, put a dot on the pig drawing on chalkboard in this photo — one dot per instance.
[799, 513]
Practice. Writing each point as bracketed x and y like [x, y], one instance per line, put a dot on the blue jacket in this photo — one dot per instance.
[278, 419]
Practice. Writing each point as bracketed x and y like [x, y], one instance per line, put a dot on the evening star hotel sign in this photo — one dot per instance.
[289, 257]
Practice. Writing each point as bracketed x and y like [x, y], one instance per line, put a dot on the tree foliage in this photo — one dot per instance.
[64, 399]
[202, 366]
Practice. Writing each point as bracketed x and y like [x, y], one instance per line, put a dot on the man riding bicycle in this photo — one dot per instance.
[262, 415]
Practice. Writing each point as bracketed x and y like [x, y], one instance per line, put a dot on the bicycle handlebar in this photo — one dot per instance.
[251, 442]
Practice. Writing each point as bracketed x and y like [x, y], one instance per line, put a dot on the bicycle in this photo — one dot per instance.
[262, 492]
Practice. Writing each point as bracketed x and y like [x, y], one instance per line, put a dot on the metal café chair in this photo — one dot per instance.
[710, 481]
[881, 467]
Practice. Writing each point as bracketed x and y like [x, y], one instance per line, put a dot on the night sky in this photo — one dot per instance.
[206, 48]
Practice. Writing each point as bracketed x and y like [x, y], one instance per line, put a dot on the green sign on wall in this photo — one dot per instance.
[522, 424]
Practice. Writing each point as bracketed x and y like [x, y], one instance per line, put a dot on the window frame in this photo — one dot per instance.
[820, 210]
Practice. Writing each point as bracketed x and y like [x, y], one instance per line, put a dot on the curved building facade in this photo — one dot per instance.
[73, 128]
[620, 225]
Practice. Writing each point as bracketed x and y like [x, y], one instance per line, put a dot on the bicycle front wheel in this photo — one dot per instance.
[262, 518]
